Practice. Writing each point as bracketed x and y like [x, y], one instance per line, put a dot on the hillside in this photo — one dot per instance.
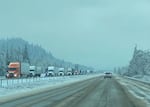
[16, 49]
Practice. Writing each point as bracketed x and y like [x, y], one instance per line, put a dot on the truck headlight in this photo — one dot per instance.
[15, 75]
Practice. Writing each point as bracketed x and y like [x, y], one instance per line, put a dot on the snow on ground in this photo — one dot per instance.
[144, 78]
[2, 77]
[16, 86]
[138, 88]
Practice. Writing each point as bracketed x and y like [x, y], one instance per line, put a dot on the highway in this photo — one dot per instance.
[95, 92]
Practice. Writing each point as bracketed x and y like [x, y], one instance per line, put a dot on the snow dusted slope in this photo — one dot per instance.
[18, 87]
[144, 78]
[137, 87]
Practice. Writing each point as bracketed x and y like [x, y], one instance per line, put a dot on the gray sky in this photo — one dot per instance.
[100, 33]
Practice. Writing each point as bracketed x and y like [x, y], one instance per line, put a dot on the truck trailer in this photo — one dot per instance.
[17, 70]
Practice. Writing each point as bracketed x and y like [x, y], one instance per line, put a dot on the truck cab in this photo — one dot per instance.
[76, 72]
[61, 72]
[32, 71]
[69, 71]
[51, 71]
[13, 70]
[35, 71]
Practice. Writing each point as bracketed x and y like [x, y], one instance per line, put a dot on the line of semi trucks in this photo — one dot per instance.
[20, 69]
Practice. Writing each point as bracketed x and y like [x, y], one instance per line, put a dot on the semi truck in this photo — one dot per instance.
[69, 71]
[32, 71]
[17, 70]
[76, 72]
[51, 71]
[61, 71]
[35, 71]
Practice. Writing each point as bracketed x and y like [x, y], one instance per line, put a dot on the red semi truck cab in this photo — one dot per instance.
[13, 70]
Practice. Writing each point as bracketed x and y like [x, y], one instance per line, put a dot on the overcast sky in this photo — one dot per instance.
[99, 33]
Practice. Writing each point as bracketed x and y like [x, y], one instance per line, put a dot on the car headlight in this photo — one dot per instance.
[15, 75]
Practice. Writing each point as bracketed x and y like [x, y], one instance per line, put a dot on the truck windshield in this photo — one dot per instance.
[11, 69]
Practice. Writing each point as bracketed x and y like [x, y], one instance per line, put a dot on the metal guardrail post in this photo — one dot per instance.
[7, 82]
[1, 83]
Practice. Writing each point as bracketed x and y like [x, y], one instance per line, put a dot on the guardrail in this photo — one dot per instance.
[137, 80]
[12, 82]
[6, 83]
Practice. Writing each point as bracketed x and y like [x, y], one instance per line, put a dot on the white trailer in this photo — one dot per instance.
[39, 71]
[25, 68]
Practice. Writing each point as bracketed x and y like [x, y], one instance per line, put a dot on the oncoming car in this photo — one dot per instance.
[107, 75]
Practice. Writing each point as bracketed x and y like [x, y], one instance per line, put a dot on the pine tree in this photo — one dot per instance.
[7, 57]
[26, 55]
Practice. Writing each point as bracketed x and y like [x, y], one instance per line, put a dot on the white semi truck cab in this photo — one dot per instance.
[51, 71]
[35, 71]
[32, 71]
[61, 71]
[69, 71]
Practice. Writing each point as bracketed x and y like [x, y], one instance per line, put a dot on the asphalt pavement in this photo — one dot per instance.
[95, 92]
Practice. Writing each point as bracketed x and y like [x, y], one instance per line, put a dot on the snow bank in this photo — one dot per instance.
[18, 87]
[137, 87]
[145, 79]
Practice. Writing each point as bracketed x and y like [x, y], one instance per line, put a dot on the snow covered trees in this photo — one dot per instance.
[17, 49]
[140, 63]
[25, 55]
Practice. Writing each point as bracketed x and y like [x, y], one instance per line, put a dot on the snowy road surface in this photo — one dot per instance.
[94, 92]
[13, 87]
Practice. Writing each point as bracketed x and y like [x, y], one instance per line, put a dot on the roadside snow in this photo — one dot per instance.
[144, 78]
[27, 85]
[2, 77]
[137, 87]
